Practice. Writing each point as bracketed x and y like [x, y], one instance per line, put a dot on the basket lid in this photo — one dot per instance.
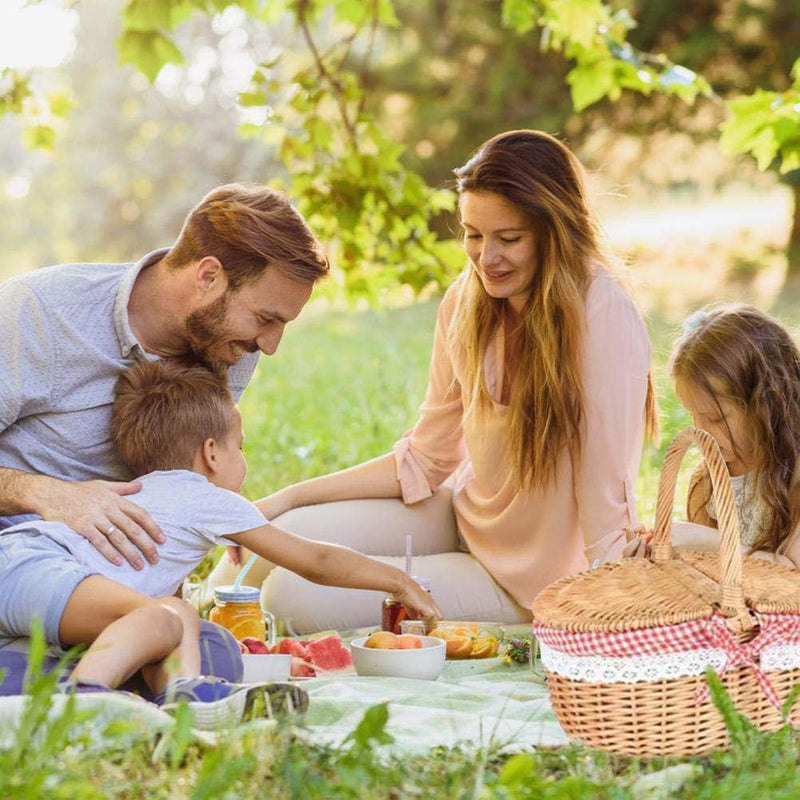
[664, 589]
[636, 593]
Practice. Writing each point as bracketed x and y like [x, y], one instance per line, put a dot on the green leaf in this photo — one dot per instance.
[18, 91]
[352, 11]
[371, 729]
[790, 160]
[248, 99]
[590, 81]
[147, 15]
[41, 137]
[60, 103]
[148, 52]
[579, 20]
[320, 132]
[387, 15]
[520, 15]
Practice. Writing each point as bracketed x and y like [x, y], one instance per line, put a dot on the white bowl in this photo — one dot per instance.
[260, 667]
[424, 663]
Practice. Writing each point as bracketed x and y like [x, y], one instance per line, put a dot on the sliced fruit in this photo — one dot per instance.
[484, 647]
[293, 647]
[255, 646]
[329, 653]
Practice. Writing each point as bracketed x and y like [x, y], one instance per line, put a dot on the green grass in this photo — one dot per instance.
[342, 388]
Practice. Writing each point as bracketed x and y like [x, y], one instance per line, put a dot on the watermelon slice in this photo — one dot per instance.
[301, 669]
[293, 647]
[329, 654]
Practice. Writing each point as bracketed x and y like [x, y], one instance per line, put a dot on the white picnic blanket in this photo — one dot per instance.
[473, 704]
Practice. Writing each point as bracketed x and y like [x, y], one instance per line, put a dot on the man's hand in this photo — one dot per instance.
[99, 511]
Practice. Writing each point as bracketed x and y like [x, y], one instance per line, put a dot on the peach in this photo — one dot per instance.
[408, 641]
[382, 640]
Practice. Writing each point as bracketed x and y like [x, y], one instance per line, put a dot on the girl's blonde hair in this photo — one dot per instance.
[544, 180]
[739, 353]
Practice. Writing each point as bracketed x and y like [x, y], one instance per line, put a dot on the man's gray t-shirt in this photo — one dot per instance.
[195, 516]
[64, 339]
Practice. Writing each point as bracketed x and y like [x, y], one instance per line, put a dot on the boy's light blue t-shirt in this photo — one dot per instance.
[195, 516]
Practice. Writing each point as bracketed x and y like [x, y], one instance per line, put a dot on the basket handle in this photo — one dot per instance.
[730, 549]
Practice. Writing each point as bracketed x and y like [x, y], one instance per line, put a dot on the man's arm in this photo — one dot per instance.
[97, 510]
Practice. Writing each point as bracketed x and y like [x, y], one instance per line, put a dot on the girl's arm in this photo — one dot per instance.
[333, 565]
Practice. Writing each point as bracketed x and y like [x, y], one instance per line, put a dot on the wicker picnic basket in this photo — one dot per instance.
[626, 646]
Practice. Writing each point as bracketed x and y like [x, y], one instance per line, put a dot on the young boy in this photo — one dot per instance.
[179, 427]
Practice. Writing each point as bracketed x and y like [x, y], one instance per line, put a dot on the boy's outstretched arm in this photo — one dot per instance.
[334, 565]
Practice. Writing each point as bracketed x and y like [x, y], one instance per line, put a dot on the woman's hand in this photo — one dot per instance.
[418, 602]
[98, 511]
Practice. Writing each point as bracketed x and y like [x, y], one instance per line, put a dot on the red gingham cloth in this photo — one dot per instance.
[685, 636]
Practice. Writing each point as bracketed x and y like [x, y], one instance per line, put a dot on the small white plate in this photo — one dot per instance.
[266, 667]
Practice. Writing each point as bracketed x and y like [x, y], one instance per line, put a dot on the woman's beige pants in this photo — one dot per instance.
[459, 584]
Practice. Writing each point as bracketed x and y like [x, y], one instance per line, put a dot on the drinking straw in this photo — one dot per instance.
[244, 570]
[408, 554]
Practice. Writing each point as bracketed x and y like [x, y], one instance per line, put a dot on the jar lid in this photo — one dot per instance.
[237, 594]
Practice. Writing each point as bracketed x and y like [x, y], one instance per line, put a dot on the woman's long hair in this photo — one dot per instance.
[544, 181]
[739, 353]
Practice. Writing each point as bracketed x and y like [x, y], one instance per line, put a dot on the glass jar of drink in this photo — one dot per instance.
[238, 609]
[393, 612]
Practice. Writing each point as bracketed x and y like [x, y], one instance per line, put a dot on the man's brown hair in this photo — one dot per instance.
[165, 410]
[249, 228]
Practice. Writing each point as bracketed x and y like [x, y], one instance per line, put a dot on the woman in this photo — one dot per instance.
[534, 417]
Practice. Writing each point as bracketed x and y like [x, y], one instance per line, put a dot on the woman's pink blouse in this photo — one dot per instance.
[527, 539]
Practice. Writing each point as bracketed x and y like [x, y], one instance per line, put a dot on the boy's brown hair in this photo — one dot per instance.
[164, 411]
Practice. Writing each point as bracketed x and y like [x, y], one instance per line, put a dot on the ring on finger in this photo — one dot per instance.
[110, 530]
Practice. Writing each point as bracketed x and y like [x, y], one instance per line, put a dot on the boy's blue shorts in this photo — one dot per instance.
[37, 578]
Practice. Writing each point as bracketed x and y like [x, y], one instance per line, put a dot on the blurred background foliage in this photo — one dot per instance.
[361, 109]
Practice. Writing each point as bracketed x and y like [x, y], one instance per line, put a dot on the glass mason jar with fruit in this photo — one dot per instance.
[393, 612]
[238, 608]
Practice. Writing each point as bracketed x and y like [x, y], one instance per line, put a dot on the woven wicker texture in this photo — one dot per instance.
[655, 718]
[661, 717]
[640, 593]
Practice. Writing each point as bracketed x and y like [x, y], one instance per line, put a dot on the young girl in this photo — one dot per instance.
[737, 371]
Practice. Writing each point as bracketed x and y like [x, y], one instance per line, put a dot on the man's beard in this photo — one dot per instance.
[207, 333]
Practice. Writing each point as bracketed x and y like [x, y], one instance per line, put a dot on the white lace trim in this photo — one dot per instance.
[780, 656]
[634, 669]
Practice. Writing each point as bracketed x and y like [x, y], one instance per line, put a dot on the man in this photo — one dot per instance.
[243, 266]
